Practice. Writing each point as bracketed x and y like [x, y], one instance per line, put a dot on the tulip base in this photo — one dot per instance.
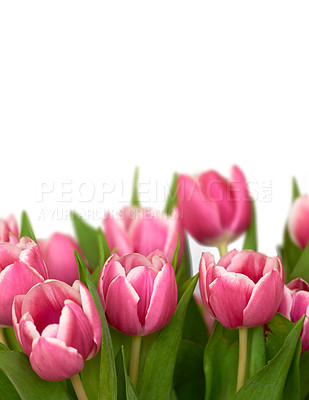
[242, 361]
[135, 354]
[78, 387]
[222, 247]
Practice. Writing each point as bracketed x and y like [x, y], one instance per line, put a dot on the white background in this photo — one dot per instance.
[89, 90]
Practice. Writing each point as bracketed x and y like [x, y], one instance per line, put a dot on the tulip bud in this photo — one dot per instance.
[9, 230]
[294, 305]
[138, 293]
[58, 327]
[58, 253]
[21, 267]
[214, 210]
[298, 221]
[142, 230]
[244, 289]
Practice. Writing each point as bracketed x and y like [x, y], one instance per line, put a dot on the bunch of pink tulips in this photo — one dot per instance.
[115, 313]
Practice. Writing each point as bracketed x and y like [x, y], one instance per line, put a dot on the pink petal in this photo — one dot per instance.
[199, 215]
[33, 257]
[52, 360]
[133, 260]
[298, 284]
[142, 280]
[286, 304]
[305, 333]
[227, 258]
[243, 207]
[51, 331]
[158, 259]
[298, 221]
[75, 329]
[249, 263]
[27, 333]
[207, 261]
[121, 307]
[265, 300]
[109, 273]
[12, 225]
[217, 189]
[8, 254]
[300, 305]
[4, 231]
[175, 229]
[15, 279]
[229, 296]
[116, 236]
[163, 300]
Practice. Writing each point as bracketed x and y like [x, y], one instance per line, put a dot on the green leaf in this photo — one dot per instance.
[104, 254]
[251, 235]
[295, 190]
[183, 272]
[90, 376]
[108, 382]
[189, 380]
[135, 195]
[256, 350]
[220, 363]
[125, 386]
[171, 201]
[11, 340]
[301, 269]
[269, 382]
[277, 331]
[8, 391]
[158, 372]
[176, 252]
[304, 375]
[87, 238]
[195, 329]
[292, 384]
[26, 227]
[29, 386]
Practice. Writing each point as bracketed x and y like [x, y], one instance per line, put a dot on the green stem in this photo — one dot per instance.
[3, 338]
[78, 387]
[135, 353]
[222, 247]
[243, 335]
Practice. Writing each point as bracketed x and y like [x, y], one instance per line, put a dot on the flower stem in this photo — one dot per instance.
[222, 247]
[78, 387]
[3, 338]
[135, 353]
[243, 334]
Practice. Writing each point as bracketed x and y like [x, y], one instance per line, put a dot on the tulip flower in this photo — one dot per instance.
[298, 221]
[294, 305]
[9, 230]
[58, 327]
[215, 211]
[142, 230]
[21, 267]
[243, 289]
[58, 253]
[138, 293]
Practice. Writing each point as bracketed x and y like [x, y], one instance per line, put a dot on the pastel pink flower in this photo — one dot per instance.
[243, 289]
[295, 304]
[298, 221]
[58, 253]
[21, 267]
[213, 209]
[9, 230]
[143, 230]
[58, 327]
[138, 293]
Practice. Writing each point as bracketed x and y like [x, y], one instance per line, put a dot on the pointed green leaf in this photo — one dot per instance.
[11, 340]
[87, 238]
[220, 363]
[176, 252]
[183, 272]
[90, 376]
[251, 235]
[301, 269]
[108, 382]
[8, 391]
[171, 201]
[295, 190]
[26, 227]
[104, 254]
[126, 389]
[256, 350]
[158, 372]
[135, 194]
[269, 382]
[26, 382]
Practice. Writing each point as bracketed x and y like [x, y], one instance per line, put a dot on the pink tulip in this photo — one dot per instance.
[294, 305]
[138, 293]
[214, 210]
[58, 253]
[9, 230]
[244, 289]
[298, 222]
[142, 230]
[58, 327]
[21, 267]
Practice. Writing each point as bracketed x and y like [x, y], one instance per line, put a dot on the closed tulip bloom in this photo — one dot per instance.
[138, 293]
[58, 327]
[214, 210]
[298, 222]
[294, 304]
[143, 230]
[9, 230]
[58, 253]
[243, 289]
[21, 267]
